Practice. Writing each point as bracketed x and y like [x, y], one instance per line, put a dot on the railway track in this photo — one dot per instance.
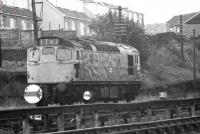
[106, 118]
[168, 126]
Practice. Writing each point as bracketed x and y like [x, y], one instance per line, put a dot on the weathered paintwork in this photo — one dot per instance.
[93, 65]
[105, 67]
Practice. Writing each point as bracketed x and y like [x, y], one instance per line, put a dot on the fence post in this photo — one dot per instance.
[30, 33]
[96, 119]
[20, 38]
[26, 128]
[0, 53]
[9, 36]
[60, 120]
[79, 116]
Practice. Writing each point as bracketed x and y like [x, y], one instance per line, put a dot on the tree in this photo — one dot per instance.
[103, 27]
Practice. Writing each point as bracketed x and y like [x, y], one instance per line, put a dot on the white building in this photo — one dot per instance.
[18, 3]
[99, 8]
[58, 18]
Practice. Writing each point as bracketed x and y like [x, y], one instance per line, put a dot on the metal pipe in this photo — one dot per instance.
[35, 25]
[181, 32]
[194, 62]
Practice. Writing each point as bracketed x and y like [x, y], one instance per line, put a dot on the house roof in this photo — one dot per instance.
[88, 1]
[194, 20]
[74, 14]
[108, 4]
[16, 11]
[176, 19]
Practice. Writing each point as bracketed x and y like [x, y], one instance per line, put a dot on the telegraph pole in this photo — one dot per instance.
[111, 24]
[1, 26]
[181, 32]
[194, 61]
[35, 24]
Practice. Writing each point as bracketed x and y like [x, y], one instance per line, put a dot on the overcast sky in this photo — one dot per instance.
[159, 11]
[155, 11]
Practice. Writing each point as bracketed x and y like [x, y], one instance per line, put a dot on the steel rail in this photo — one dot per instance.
[135, 127]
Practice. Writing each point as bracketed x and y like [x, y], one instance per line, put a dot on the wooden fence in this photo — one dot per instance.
[25, 38]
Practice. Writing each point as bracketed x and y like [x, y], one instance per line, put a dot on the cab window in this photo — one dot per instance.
[64, 54]
[34, 55]
[48, 50]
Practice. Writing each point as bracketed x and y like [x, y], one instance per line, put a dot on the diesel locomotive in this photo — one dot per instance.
[65, 69]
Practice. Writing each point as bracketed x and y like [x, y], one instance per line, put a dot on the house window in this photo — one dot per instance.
[12, 23]
[82, 28]
[23, 24]
[66, 25]
[4, 21]
[73, 27]
[32, 26]
[177, 29]
[86, 30]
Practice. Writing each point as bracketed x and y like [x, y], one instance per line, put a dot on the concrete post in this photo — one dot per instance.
[149, 112]
[192, 110]
[25, 125]
[138, 118]
[116, 118]
[96, 119]
[60, 120]
[167, 113]
[45, 121]
[179, 112]
[78, 121]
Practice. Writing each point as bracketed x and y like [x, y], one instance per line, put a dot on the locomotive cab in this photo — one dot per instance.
[53, 63]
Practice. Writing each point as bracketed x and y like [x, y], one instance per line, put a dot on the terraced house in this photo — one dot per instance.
[15, 18]
[57, 18]
[174, 24]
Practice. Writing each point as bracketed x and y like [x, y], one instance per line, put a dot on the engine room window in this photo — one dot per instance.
[48, 50]
[64, 54]
[34, 55]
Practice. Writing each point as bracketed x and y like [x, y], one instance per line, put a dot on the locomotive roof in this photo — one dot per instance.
[101, 47]
[90, 44]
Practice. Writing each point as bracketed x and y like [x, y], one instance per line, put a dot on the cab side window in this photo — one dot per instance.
[34, 55]
[77, 55]
[64, 54]
[130, 64]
